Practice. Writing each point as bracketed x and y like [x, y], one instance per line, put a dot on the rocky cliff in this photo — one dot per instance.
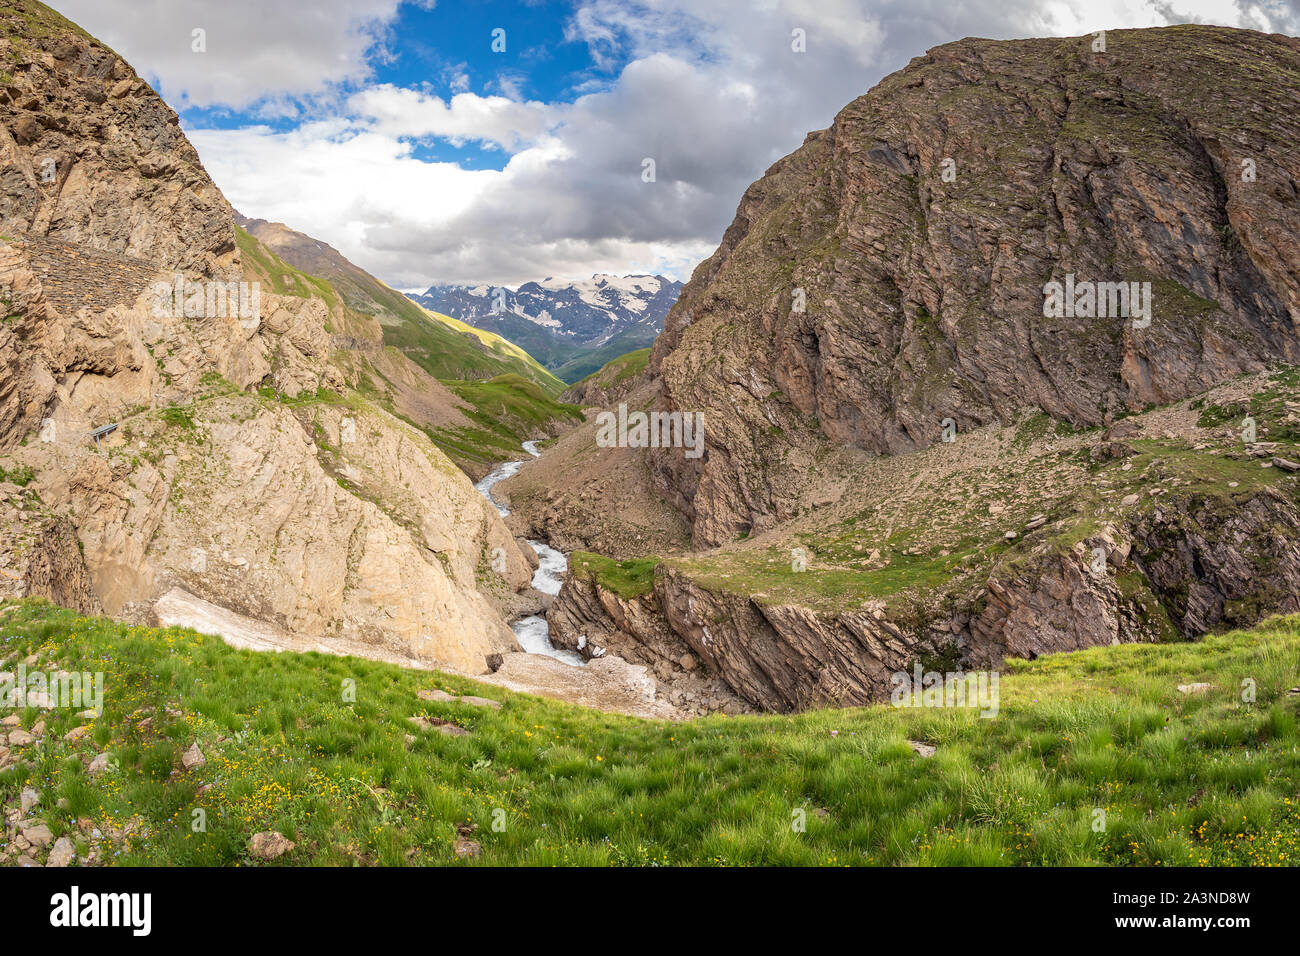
[1012, 542]
[92, 155]
[917, 450]
[612, 383]
[212, 450]
[889, 276]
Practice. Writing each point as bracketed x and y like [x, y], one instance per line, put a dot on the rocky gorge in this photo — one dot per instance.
[907, 459]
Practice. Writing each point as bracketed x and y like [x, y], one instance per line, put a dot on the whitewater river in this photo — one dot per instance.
[533, 632]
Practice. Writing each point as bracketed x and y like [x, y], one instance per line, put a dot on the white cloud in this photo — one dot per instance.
[468, 117]
[255, 48]
[711, 90]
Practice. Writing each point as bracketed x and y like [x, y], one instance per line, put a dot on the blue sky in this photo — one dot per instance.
[448, 49]
[391, 130]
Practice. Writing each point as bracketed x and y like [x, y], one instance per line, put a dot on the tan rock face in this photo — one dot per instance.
[379, 542]
[326, 518]
[1170, 159]
[90, 154]
[39, 555]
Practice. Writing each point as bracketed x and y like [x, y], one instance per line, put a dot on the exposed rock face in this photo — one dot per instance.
[606, 387]
[784, 657]
[595, 622]
[90, 154]
[332, 521]
[775, 657]
[82, 362]
[378, 542]
[1170, 158]
[39, 556]
[1218, 567]
[581, 496]
[328, 518]
[1187, 564]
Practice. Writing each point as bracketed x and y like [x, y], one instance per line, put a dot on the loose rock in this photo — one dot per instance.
[269, 845]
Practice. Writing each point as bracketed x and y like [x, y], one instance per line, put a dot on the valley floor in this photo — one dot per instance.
[323, 750]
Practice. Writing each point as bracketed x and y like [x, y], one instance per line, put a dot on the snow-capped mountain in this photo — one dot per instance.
[565, 325]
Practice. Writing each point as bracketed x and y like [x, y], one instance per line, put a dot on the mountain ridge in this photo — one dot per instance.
[573, 327]
[433, 342]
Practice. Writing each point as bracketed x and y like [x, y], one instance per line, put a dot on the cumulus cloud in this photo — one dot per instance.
[711, 90]
[255, 49]
[467, 117]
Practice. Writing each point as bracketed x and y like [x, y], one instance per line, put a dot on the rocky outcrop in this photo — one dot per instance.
[328, 523]
[1059, 603]
[720, 646]
[91, 155]
[40, 555]
[603, 389]
[210, 452]
[784, 657]
[1176, 571]
[85, 368]
[596, 622]
[890, 275]
[1218, 567]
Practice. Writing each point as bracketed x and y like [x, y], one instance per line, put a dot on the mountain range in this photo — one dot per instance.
[573, 328]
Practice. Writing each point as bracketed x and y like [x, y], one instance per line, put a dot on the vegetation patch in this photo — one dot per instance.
[1208, 779]
[628, 579]
[20, 475]
[506, 411]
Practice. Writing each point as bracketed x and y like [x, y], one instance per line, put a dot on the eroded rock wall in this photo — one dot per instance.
[860, 298]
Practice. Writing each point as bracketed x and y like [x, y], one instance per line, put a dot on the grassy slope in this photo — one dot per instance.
[277, 275]
[550, 350]
[627, 579]
[24, 20]
[1204, 779]
[441, 345]
[507, 411]
[633, 340]
[515, 404]
[619, 369]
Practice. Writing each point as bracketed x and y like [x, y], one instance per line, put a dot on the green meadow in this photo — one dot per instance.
[1095, 758]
